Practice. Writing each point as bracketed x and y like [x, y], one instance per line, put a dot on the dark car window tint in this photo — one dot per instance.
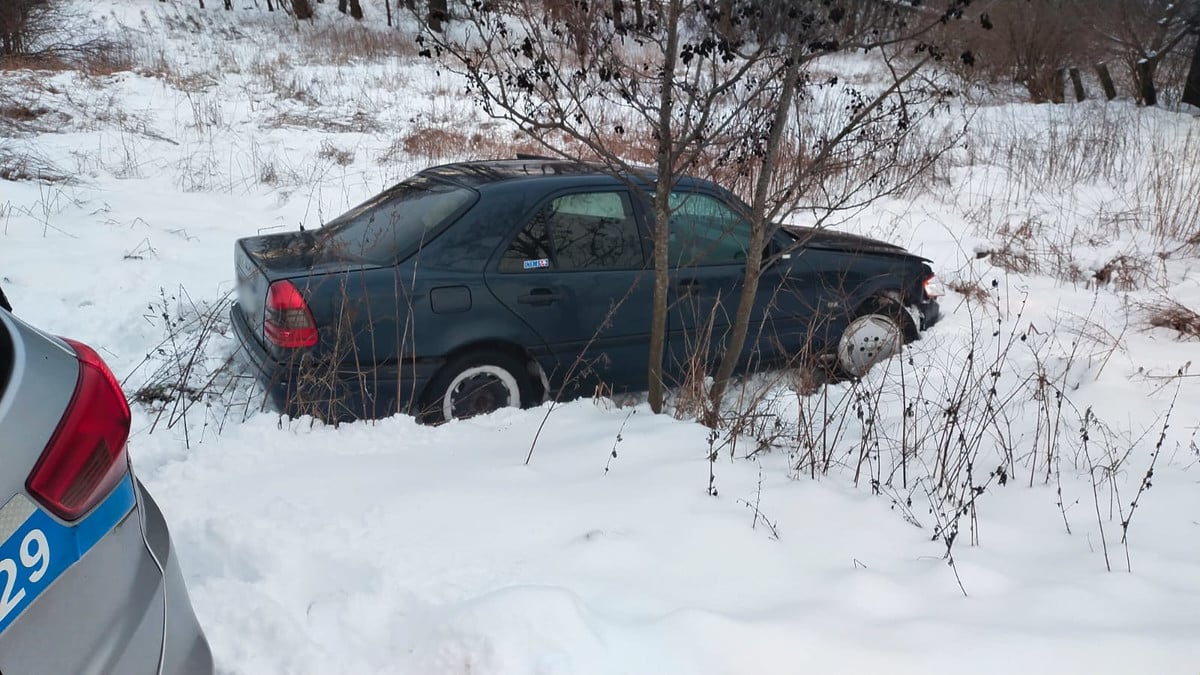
[590, 231]
[529, 251]
[396, 220]
[594, 231]
[705, 231]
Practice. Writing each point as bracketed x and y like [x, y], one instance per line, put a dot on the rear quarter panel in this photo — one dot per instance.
[415, 307]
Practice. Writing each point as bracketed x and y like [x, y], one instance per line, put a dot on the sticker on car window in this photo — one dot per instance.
[537, 264]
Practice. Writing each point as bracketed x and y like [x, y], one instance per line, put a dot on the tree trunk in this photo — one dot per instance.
[759, 223]
[228, 5]
[437, 15]
[1106, 81]
[665, 176]
[725, 23]
[574, 18]
[302, 9]
[1145, 81]
[1057, 85]
[387, 6]
[1191, 89]
[1077, 83]
[342, 6]
[356, 9]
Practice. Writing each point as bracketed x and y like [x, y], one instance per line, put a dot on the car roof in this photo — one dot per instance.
[486, 172]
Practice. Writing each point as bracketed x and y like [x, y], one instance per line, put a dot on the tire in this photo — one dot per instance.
[476, 384]
[874, 335]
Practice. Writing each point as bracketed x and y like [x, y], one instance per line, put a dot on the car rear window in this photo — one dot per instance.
[395, 223]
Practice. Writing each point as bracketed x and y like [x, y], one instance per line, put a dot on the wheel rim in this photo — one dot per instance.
[480, 390]
[868, 340]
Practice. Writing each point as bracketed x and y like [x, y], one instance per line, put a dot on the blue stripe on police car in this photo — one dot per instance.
[37, 549]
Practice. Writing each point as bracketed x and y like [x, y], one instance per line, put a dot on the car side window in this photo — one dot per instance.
[705, 231]
[530, 249]
[589, 231]
[594, 231]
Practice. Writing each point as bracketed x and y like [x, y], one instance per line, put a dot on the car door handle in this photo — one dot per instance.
[539, 296]
[688, 287]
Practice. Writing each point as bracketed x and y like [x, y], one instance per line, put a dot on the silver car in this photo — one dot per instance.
[89, 580]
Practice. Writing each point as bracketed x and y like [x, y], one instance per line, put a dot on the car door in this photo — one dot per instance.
[576, 273]
[707, 245]
[709, 241]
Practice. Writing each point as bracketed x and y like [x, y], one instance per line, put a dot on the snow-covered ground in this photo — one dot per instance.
[397, 548]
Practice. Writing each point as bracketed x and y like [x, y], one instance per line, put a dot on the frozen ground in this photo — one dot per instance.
[396, 548]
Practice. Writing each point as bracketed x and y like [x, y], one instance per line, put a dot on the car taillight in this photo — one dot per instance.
[85, 458]
[934, 287]
[288, 322]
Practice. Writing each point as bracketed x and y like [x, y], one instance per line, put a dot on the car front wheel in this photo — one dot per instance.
[868, 339]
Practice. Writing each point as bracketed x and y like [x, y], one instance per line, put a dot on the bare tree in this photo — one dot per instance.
[46, 30]
[1024, 42]
[1143, 33]
[302, 9]
[16, 17]
[1191, 90]
[590, 84]
[686, 88]
[435, 17]
[870, 136]
[353, 7]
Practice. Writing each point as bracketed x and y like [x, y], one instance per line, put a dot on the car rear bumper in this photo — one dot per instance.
[369, 392]
[113, 611]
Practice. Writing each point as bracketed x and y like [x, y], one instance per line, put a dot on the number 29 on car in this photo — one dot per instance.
[36, 548]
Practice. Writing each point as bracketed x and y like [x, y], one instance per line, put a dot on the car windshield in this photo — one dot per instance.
[396, 221]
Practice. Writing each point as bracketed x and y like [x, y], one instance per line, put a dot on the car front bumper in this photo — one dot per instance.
[928, 314]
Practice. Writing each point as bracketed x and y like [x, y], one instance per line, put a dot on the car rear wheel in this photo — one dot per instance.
[873, 336]
[477, 384]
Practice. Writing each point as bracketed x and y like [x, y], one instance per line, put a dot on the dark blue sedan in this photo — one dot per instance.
[475, 286]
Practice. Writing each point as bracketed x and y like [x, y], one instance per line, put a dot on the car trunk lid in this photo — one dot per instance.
[261, 261]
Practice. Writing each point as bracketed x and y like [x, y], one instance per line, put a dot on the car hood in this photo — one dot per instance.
[830, 240]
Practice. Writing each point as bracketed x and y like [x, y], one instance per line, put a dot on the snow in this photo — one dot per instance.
[392, 547]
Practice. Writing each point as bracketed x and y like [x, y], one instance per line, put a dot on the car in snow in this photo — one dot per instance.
[89, 579]
[479, 285]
